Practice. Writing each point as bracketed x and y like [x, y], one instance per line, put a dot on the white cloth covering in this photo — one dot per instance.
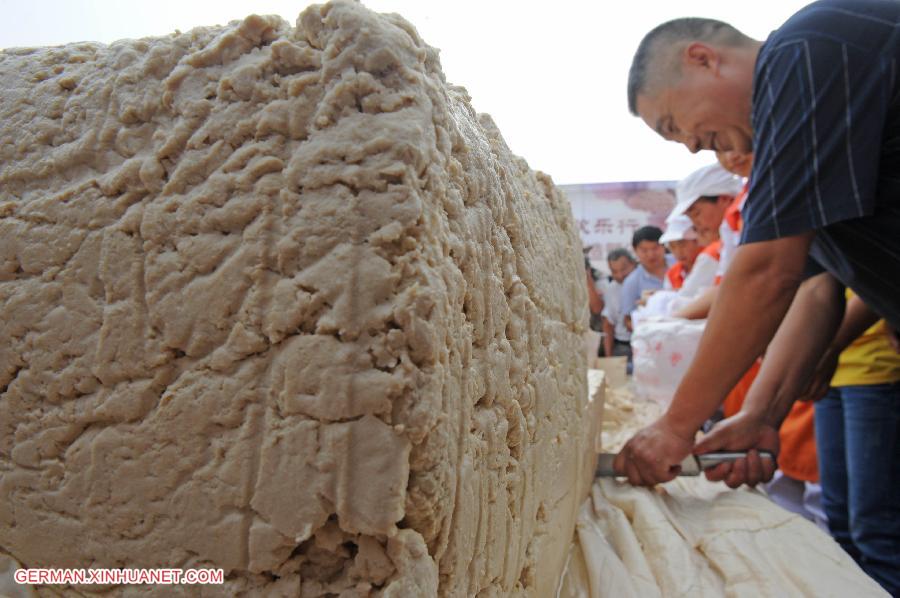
[691, 537]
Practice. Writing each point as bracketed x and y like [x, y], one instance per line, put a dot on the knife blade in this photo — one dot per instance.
[691, 466]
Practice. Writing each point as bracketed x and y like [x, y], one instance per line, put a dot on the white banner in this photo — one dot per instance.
[607, 214]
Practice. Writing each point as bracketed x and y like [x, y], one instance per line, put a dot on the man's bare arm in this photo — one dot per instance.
[791, 358]
[699, 308]
[810, 325]
[752, 301]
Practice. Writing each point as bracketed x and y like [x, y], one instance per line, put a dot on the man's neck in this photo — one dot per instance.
[658, 271]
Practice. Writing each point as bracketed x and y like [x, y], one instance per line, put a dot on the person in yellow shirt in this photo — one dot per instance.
[857, 427]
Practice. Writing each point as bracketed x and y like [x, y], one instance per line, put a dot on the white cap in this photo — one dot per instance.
[678, 228]
[709, 181]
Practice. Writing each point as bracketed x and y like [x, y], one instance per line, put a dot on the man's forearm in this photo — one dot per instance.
[699, 307]
[794, 352]
[751, 302]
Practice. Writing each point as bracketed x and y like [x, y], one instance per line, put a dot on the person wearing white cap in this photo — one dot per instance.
[705, 196]
[693, 271]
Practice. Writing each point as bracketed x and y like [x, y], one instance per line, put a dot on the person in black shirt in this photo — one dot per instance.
[818, 103]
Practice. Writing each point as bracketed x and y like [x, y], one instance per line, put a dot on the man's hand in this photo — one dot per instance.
[698, 308]
[654, 454]
[743, 431]
[645, 296]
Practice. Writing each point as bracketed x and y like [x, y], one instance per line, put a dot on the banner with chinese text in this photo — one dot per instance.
[607, 214]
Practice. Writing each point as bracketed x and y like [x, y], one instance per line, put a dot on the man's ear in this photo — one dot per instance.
[698, 54]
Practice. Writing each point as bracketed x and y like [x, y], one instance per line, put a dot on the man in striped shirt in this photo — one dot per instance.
[819, 105]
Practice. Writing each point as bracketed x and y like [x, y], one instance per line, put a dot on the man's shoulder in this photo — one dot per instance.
[633, 278]
[833, 21]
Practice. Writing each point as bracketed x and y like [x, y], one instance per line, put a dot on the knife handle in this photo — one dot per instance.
[712, 459]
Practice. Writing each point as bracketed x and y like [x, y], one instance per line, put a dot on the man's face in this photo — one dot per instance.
[705, 237]
[706, 216]
[685, 251]
[621, 268]
[650, 254]
[708, 107]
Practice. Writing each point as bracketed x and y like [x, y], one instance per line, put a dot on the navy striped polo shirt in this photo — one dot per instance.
[826, 122]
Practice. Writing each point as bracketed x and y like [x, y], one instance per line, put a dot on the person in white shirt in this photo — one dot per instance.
[616, 336]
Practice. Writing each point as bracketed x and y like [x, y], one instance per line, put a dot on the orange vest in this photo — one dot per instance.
[676, 275]
[735, 398]
[797, 457]
[733, 213]
[714, 250]
[733, 220]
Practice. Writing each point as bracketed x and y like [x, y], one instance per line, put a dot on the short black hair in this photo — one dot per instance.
[668, 34]
[646, 233]
[618, 253]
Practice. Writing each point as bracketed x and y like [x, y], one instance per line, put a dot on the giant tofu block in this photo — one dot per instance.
[277, 300]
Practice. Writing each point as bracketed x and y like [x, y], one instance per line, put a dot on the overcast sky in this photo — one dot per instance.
[551, 74]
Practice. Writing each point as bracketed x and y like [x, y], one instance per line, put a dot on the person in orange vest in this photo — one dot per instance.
[709, 197]
[681, 240]
[707, 212]
[740, 164]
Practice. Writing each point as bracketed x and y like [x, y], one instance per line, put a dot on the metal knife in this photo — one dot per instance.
[691, 466]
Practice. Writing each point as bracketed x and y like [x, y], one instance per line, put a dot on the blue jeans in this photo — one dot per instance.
[858, 442]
